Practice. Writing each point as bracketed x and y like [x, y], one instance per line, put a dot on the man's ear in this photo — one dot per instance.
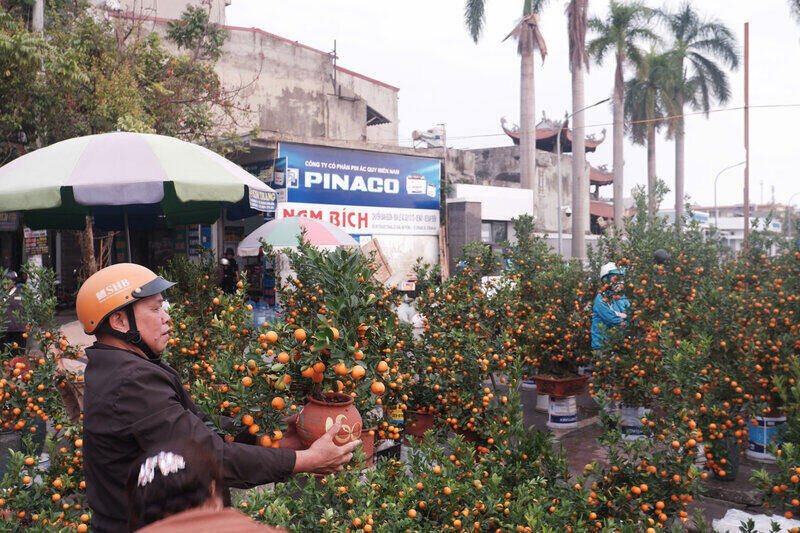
[118, 320]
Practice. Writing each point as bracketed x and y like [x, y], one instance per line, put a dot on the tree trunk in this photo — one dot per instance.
[580, 181]
[679, 167]
[86, 243]
[651, 170]
[37, 16]
[619, 140]
[527, 126]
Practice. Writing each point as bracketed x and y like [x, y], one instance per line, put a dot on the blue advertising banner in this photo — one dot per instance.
[324, 175]
[271, 171]
[362, 192]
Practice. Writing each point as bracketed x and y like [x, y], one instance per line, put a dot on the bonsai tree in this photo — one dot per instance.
[549, 304]
[469, 340]
[661, 294]
[345, 335]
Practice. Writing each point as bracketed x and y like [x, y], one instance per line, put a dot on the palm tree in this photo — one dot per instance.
[625, 27]
[578, 58]
[794, 8]
[697, 44]
[648, 101]
[529, 39]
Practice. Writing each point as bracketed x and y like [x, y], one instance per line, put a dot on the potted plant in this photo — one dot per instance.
[346, 338]
[552, 324]
[468, 342]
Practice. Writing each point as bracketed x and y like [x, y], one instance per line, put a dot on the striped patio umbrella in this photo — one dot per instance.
[284, 232]
[127, 180]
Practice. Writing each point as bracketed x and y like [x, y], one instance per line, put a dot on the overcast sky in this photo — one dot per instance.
[422, 47]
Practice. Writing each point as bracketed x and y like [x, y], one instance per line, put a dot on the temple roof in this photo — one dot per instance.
[601, 176]
[547, 134]
[601, 209]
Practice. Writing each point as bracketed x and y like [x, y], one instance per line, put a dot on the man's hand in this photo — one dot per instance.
[324, 456]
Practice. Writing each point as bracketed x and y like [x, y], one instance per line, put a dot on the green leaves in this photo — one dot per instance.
[94, 75]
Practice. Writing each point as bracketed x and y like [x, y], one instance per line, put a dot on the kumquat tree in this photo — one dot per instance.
[707, 353]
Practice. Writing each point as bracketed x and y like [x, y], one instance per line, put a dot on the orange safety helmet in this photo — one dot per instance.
[112, 288]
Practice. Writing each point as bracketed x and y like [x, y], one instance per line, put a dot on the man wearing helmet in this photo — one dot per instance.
[133, 400]
[610, 307]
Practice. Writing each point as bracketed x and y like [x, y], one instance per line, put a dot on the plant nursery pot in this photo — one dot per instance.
[762, 432]
[561, 387]
[318, 416]
[418, 423]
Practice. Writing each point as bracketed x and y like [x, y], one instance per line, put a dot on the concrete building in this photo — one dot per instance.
[298, 94]
[289, 88]
[782, 213]
[731, 229]
[168, 9]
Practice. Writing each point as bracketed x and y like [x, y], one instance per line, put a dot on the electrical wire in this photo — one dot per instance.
[644, 121]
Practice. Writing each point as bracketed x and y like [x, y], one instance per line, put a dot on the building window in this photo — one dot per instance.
[493, 231]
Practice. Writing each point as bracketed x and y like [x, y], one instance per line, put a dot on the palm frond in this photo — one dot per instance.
[715, 77]
[475, 17]
[600, 46]
[528, 36]
[650, 95]
[626, 27]
[702, 47]
[722, 47]
[535, 6]
[794, 9]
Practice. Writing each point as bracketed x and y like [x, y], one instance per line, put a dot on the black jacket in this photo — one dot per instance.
[132, 404]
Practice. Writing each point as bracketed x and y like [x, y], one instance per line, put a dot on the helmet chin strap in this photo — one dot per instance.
[133, 336]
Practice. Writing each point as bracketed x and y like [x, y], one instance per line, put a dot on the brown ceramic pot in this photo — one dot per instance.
[468, 435]
[318, 416]
[420, 422]
[561, 387]
[368, 445]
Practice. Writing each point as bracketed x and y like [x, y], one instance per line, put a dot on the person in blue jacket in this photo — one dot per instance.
[610, 309]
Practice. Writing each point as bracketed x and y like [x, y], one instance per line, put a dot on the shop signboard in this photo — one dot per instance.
[263, 200]
[35, 242]
[9, 221]
[360, 191]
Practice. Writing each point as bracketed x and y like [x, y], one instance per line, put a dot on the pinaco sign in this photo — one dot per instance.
[360, 191]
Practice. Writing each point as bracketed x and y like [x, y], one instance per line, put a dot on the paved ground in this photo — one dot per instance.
[582, 448]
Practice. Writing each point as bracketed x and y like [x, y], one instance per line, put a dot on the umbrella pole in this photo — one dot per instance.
[127, 234]
[221, 234]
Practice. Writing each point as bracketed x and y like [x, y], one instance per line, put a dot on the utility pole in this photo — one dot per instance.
[746, 134]
[444, 251]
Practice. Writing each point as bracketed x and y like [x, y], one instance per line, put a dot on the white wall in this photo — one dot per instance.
[497, 203]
